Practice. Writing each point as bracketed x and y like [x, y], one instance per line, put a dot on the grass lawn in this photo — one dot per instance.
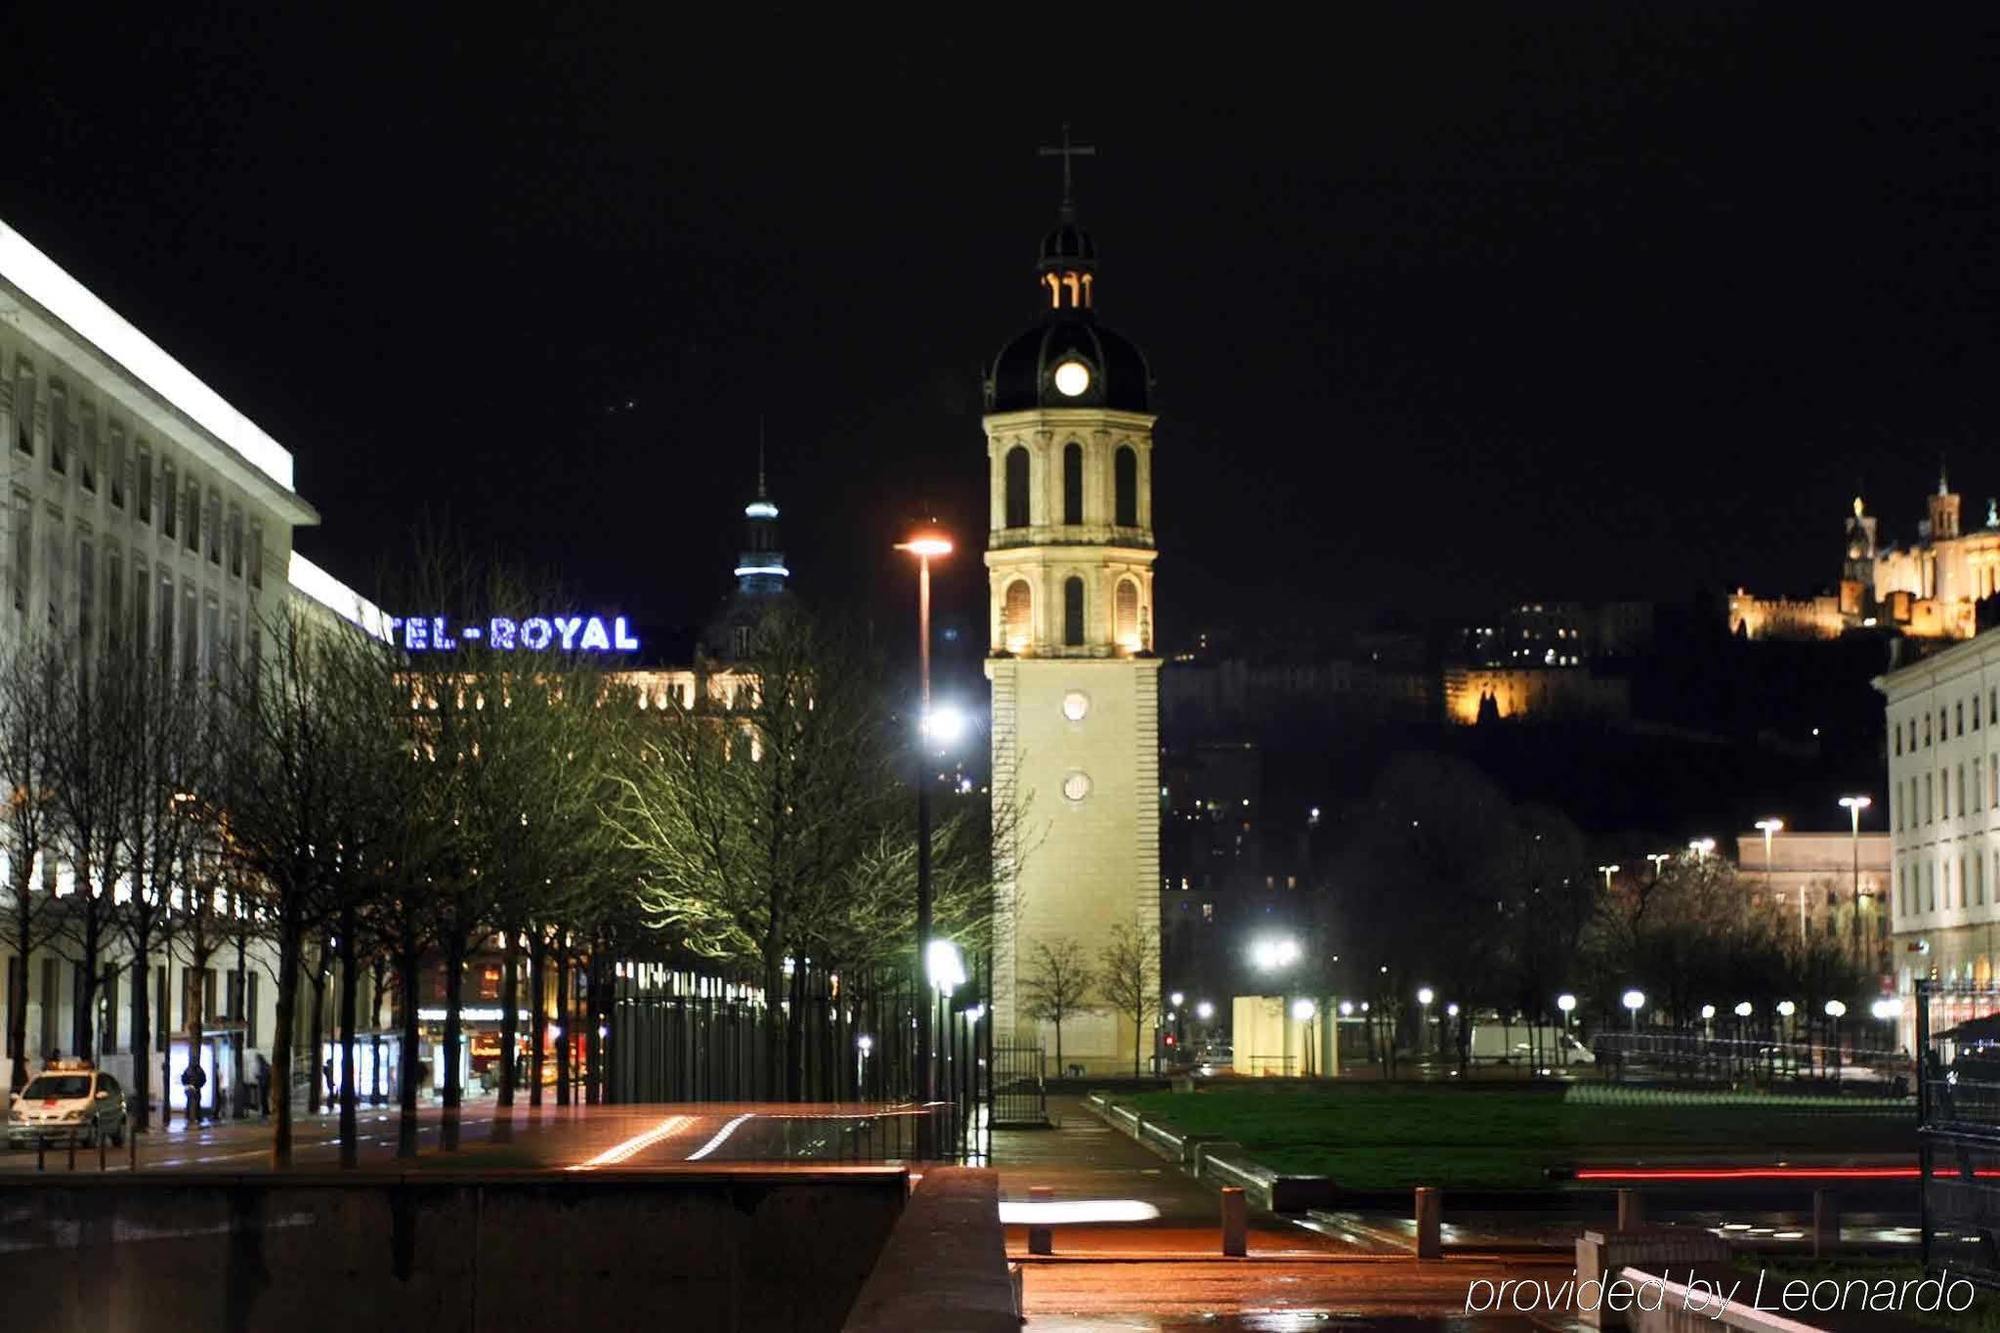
[1391, 1136]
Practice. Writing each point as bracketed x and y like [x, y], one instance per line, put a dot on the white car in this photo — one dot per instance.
[65, 1100]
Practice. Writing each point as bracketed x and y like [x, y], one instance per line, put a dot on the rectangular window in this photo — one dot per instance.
[250, 1017]
[235, 542]
[166, 626]
[1979, 881]
[1944, 795]
[191, 514]
[190, 631]
[145, 485]
[58, 428]
[87, 452]
[1960, 711]
[24, 407]
[211, 642]
[1930, 886]
[170, 510]
[114, 596]
[1930, 780]
[1975, 712]
[1899, 737]
[142, 608]
[232, 646]
[1993, 780]
[257, 555]
[234, 996]
[212, 520]
[1962, 805]
[55, 570]
[115, 464]
[86, 592]
[24, 550]
[256, 654]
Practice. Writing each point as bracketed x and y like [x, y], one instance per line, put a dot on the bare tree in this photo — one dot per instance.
[1058, 986]
[28, 706]
[1129, 980]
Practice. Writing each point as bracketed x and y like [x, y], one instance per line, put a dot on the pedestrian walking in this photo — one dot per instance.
[263, 1086]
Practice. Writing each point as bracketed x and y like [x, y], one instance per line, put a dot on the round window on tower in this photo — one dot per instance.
[1072, 379]
[1075, 705]
[1076, 786]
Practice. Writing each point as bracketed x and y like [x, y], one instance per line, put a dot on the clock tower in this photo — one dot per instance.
[1076, 716]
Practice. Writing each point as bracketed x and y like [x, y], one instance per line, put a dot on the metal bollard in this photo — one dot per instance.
[1235, 1222]
[1826, 1222]
[1430, 1222]
[1041, 1239]
[1631, 1210]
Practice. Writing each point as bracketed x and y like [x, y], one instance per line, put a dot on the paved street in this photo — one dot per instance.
[1168, 1273]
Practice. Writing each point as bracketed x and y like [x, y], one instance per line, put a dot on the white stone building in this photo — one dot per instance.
[141, 513]
[1944, 820]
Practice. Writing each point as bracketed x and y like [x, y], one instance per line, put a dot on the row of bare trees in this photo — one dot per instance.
[352, 810]
[1061, 983]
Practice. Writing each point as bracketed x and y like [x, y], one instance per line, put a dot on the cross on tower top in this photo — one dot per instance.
[1067, 151]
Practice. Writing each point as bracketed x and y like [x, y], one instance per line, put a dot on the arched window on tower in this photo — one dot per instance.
[1126, 484]
[1073, 612]
[1072, 483]
[1017, 487]
[1017, 611]
[1125, 616]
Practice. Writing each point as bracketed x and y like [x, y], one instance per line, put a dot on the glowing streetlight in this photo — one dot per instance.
[1744, 1009]
[1272, 954]
[1567, 1003]
[1836, 1009]
[1425, 995]
[1786, 1008]
[945, 966]
[1854, 805]
[1701, 847]
[1707, 1012]
[1347, 1008]
[1888, 1008]
[1303, 1010]
[1608, 872]
[1177, 999]
[1634, 1001]
[1659, 859]
[926, 544]
[1204, 1011]
[943, 726]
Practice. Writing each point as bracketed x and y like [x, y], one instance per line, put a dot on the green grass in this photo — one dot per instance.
[1392, 1136]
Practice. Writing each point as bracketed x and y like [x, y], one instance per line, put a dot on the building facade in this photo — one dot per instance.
[143, 515]
[1075, 740]
[1944, 819]
[1820, 886]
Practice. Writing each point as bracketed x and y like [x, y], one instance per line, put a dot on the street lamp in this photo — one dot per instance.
[1567, 1003]
[1744, 1009]
[1177, 999]
[1424, 997]
[1701, 847]
[1658, 859]
[1608, 872]
[1854, 805]
[943, 725]
[926, 544]
[1204, 1011]
[1634, 1001]
[1271, 954]
[1768, 827]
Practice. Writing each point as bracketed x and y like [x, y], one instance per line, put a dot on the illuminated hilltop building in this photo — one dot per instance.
[1926, 590]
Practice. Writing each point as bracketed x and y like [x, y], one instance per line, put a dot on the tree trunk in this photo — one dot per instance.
[454, 1031]
[349, 1148]
[538, 982]
[315, 1061]
[194, 1004]
[243, 1018]
[17, 990]
[84, 1038]
[378, 974]
[564, 1022]
[510, 1023]
[593, 1045]
[1059, 1061]
[771, 1083]
[407, 1082]
[291, 940]
[142, 1037]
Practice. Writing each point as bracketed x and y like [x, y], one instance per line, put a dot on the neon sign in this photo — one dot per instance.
[569, 634]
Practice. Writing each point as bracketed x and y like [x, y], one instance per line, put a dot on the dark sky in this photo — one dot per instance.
[1444, 305]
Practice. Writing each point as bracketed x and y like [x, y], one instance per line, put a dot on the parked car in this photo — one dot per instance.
[68, 1098]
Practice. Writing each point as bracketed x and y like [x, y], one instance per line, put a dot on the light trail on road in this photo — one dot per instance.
[721, 1136]
[638, 1143]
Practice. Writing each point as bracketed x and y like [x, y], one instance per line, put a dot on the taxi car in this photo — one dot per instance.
[68, 1098]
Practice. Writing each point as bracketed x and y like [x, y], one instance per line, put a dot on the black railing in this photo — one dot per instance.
[1958, 1128]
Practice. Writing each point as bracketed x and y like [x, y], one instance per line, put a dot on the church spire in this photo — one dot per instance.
[1066, 271]
[760, 566]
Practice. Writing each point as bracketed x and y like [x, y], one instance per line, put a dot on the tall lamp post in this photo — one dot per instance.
[1854, 805]
[1767, 827]
[1608, 872]
[926, 544]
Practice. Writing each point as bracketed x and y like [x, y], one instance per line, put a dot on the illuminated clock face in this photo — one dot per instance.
[1075, 704]
[1072, 379]
[1076, 786]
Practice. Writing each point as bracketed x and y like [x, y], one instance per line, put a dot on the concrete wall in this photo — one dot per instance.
[727, 1249]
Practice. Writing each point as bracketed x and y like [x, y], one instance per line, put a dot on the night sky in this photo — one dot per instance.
[1444, 306]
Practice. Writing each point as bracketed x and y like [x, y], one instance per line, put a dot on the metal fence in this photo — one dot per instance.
[1857, 1062]
[1958, 1127]
[1020, 1088]
[680, 1036]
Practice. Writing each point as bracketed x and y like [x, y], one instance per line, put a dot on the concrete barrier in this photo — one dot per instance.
[731, 1248]
[944, 1267]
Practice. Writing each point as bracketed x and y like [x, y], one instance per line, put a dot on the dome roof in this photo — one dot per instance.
[1068, 244]
[1023, 375]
